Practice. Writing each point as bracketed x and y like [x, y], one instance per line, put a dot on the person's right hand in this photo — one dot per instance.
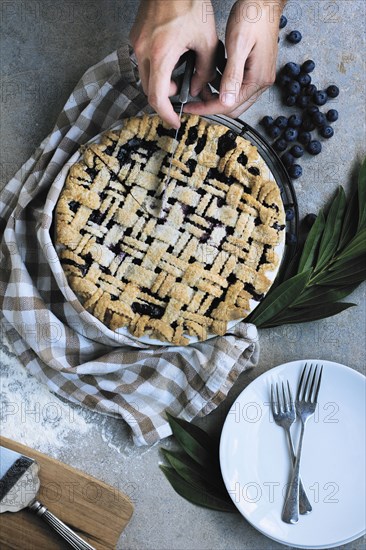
[162, 32]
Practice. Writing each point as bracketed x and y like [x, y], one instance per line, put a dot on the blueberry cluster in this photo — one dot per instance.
[293, 135]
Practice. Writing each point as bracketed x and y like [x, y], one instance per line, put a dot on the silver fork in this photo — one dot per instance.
[284, 414]
[306, 402]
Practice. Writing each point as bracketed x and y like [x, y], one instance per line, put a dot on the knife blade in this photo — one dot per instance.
[182, 99]
[19, 485]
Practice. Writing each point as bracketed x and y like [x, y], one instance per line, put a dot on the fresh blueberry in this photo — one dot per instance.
[309, 90]
[314, 147]
[303, 101]
[308, 66]
[310, 219]
[291, 238]
[281, 122]
[266, 121]
[326, 132]
[290, 214]
[318, 119]
[297, 151]
[310, 111]
[304, 138]
[292, 69]
[284, 80]
[290, 100]
[304, 79]
[274, 131]
[295, 121]
[294, 87]
[320, 97]
[291, 134]
[287, 159]
[332, 115]
[333, 91]
[308, 125]
[294, 37]
[295, 171]
[280, 145]
[283, 22]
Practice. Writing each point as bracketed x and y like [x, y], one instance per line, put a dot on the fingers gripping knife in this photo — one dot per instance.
[183, 98]
[19, 485]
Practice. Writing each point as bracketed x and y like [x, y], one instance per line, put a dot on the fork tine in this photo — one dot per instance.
[290, 395]
[300, 383]
[279, 404]
[273, 401]
[313, 383]
[306, 387]
[318, 385]
[285, 402]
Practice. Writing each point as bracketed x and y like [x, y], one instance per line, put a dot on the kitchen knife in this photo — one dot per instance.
[19, 485]
[160, 201]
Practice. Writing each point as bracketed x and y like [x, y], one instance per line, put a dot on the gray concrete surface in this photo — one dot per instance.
[45, 47]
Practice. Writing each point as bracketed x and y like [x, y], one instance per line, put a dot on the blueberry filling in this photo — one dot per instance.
[74, 206]
[144, 308]
[254, 170]
[226, 143]
[192, 135]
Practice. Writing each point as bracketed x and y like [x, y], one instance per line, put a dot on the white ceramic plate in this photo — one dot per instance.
[255, 461]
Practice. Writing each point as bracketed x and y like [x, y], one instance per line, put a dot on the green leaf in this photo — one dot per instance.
[362, 195]
[196, 443]
[279, 299]
[356, 247]
[349, 226]
[316, 295]
[309, 252]
[194, 473]
[194, 493]
[350, 269]
[306, 315]
[332, 229]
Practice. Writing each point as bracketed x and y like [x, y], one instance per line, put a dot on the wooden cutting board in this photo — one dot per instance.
[94, 510]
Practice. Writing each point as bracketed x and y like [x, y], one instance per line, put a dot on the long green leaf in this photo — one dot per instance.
[351, 269]
[332, 229]
[193, 493]
[308, 314]
[194, 473]
[362, 195]
[278, 300]
[354, 279]
[311, 245]
[356, 247]
[316, 295]
[350, 220]
[196, 443]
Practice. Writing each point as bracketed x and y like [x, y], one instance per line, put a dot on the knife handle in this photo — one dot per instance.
[66, 533]
[188, 72]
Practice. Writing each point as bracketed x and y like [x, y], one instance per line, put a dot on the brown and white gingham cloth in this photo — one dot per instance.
[55, 338]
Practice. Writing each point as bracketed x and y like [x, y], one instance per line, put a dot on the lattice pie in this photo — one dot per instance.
[194, 268]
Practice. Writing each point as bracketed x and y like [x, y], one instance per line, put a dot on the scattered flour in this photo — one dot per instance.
[30, 413]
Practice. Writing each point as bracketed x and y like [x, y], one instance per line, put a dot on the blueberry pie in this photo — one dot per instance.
[197, 265]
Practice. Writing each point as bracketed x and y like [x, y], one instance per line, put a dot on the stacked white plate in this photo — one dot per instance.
[255, 461]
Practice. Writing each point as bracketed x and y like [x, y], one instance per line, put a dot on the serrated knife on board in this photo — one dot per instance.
[19, 485]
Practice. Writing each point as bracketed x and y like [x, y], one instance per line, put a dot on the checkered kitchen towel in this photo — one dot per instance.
[58, 341]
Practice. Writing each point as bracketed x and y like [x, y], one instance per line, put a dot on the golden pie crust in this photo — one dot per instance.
[194, 268]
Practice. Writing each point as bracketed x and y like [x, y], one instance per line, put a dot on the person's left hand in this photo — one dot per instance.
[252, 46]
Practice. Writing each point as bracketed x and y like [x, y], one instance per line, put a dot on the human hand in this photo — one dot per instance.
[160, 36]
[252, 46]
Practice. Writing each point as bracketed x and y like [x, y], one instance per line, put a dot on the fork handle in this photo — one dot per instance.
[290, 512]
[304, 504]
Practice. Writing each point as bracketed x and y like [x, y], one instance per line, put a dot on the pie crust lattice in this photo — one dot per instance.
[198, 265]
